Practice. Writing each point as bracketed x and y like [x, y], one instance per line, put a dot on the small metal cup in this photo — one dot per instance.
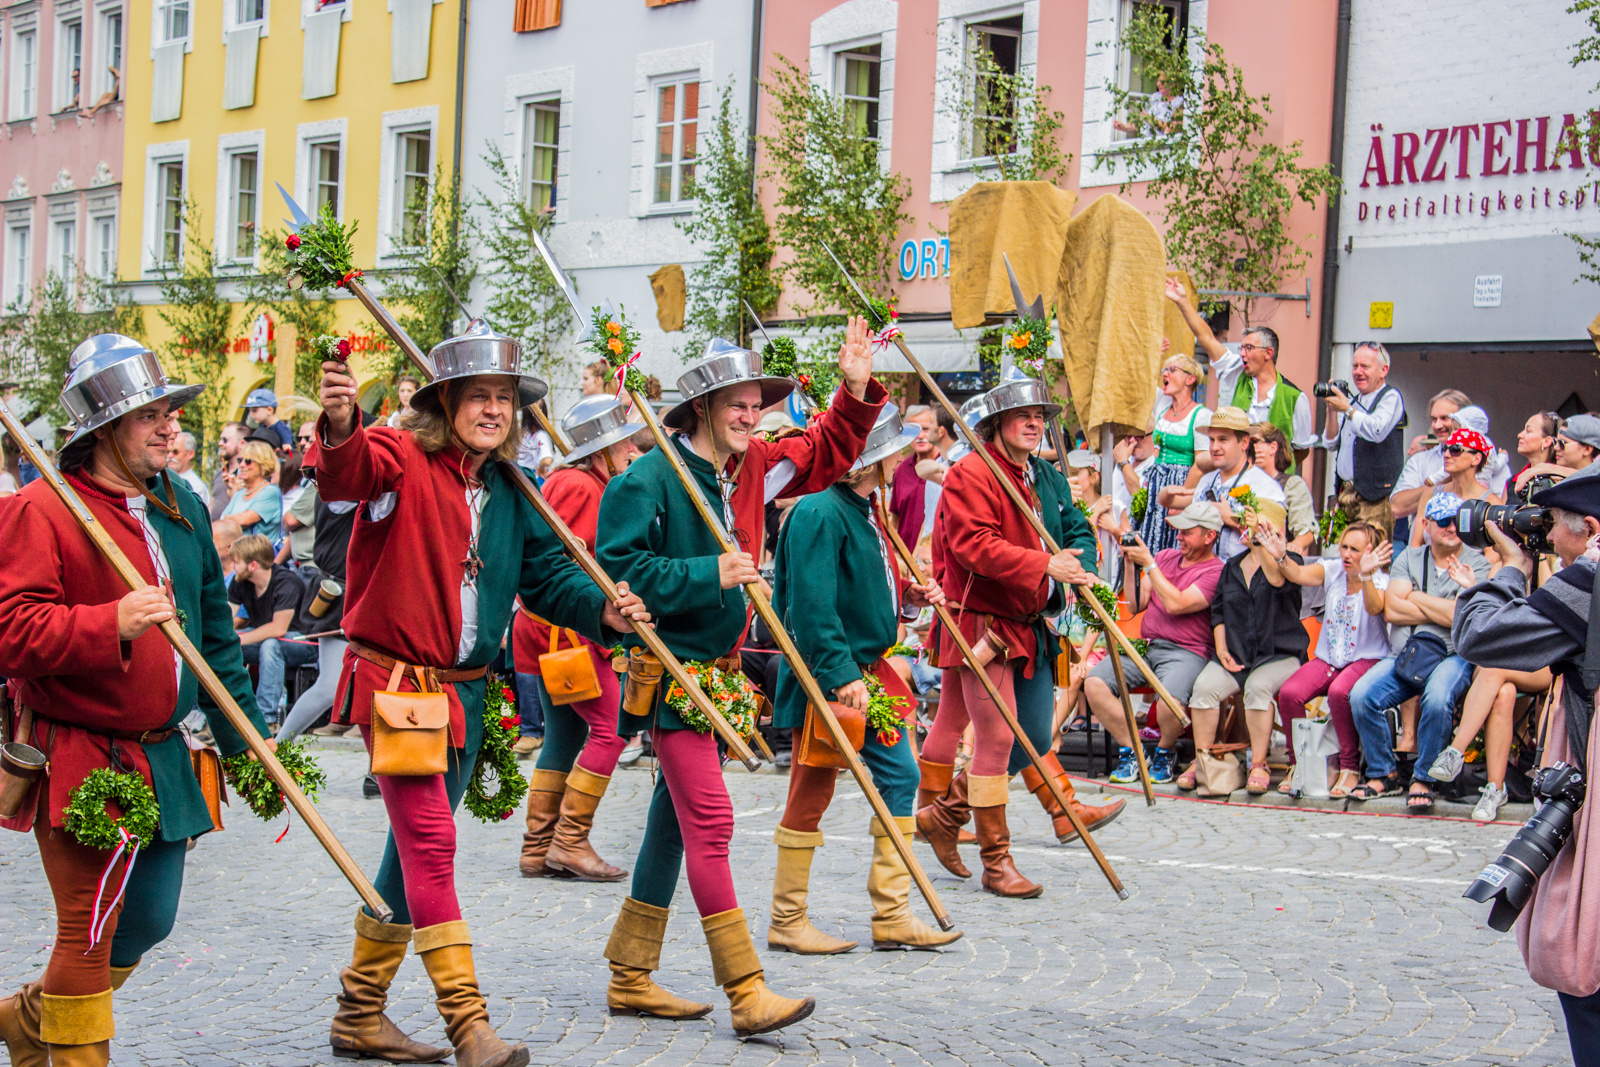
[20, 766]
[327, 593]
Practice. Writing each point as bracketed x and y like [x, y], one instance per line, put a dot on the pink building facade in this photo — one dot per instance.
[61, 141]
[906, 60]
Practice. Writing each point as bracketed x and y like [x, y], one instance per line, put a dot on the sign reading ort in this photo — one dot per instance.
[924, 259]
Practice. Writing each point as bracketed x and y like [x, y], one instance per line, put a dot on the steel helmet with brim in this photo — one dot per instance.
[1017, 391]
[889, 436]
[479, 349]
[594, 423]
[723, 364]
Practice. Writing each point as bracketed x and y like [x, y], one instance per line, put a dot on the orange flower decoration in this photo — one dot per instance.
[1238, 492]
[615, 344]
[613, 328]
[1022, 340]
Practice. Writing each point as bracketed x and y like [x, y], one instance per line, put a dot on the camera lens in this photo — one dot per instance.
[1509, 880]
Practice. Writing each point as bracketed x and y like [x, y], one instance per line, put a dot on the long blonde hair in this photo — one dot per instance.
[431, 426]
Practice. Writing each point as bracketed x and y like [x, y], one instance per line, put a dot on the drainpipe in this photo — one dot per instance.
[1330, 242]
[753, 111]
[461, 89]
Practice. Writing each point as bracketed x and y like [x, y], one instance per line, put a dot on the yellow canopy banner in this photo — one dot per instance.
[1026, 221]
[671, 296]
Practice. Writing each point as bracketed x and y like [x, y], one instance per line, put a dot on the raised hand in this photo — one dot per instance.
[1175, 291]
[1374, 559]
[338, 400]
[855, 357]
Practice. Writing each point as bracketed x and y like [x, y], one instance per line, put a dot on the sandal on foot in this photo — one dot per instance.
[1339, 790]
[1186, 780]
[1423, 801]
[1387, 787]
[1260, 779]
[1286, 787]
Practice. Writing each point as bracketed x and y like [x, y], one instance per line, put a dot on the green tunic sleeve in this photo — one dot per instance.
[632, 548]
[1069, 526]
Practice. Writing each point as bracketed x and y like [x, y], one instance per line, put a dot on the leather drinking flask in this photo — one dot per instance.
[569, 674]
[644, 680]
[208, 772]
[410, 731]
[816, 744]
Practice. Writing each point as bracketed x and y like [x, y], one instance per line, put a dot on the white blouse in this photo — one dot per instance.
[1349, 633]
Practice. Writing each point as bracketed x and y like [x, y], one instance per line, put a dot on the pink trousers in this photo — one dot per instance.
[963, 699]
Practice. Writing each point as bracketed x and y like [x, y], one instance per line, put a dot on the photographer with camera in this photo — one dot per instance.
[1499, 624]
[1366, 432]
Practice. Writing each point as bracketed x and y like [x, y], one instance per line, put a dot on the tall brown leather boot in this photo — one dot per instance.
[1091, 817]
[889, 886]
[19, 1028]
[360, 1027]
[446, 951]
[570, 850]
[634, 952]
[940, 824]
[545, 790]
[78, 1030]
[935, 779]
[737, 969]
[1000, 874]
[791, 929]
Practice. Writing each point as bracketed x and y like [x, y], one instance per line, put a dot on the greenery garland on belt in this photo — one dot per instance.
[500, 722]
[1139, 504]
[319, 255]
[885, 713]
[1029, 342]
[1331, 527]
[85, 814]
[251, 781]
[1108, 600]
[898, 649]
[730, 692]
[616, 340]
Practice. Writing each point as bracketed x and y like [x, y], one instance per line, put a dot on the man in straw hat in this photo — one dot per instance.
[442, 542]
[567, 784]
[104, 690]
[984, 547]
[651, 535]
[836, 574]
[1232, 478]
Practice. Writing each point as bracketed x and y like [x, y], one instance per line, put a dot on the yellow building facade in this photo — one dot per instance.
[351, 103]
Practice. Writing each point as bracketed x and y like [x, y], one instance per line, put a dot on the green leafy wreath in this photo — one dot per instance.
[730, 692]
[884, 712]
[85, 814]
[1108, 600]
[320, 255]
[250, 780]
[1331, 527]
[616, 340]
[1139, 504]
[500, 722]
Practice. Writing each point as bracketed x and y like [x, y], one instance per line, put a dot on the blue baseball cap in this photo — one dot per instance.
[261, 398]
[1442, 507]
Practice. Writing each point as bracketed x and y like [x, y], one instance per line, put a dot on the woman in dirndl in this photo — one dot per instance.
[1179, 429]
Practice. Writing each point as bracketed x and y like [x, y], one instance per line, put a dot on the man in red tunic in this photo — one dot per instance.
[99, 687]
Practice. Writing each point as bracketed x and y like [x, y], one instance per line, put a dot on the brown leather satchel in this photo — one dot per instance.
[816, 744]
[410, 731]
[569, 674]
[208, 772]
[644, 680]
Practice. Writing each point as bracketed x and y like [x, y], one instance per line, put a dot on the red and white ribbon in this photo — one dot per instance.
[97, 922]
[885, 339]
[621, 372]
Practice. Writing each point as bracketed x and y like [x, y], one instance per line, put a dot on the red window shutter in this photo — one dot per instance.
[536, 15]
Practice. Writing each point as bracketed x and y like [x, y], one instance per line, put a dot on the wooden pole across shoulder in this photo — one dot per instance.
[192, 659]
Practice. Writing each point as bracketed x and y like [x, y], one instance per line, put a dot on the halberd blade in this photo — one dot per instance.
[860, 293]
[566, 285]
[1025, 310]
[300, 217]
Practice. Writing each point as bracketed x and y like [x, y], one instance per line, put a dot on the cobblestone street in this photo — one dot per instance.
[1252, 936]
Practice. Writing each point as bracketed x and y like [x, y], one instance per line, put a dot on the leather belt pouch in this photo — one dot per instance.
[410, 731]
[816, 744]
[644, 680]
[569, 674]
[208, 772]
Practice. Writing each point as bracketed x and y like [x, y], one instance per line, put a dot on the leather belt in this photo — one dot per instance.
[730, 662]
[142, 737]
[387, 662]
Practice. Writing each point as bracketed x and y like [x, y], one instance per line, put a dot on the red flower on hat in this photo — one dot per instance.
[293, 241]
[1470, 439]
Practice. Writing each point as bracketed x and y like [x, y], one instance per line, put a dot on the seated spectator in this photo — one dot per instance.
[1466, 456]
[1175, 596]
[1490, 706]
[1273, 456]
[256, 504]
[1354, 638]
[269, 595]
[224, 532]
[180, 461]
[1258, 642]
[1233, 471]
[1420, 603]
[1577, 446]
[1366, 433]
[1423, 459]
[300, 525]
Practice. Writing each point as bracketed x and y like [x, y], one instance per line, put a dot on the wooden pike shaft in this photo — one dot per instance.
[1006, 713]
[802, 673]
[1104, 617]
[1133, 723]
[576, 549]
[202, 671]
[550, 428]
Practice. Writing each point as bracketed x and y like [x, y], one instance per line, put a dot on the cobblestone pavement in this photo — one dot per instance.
[1253, 936]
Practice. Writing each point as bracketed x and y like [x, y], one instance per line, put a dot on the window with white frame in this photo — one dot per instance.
[103, 251]
[109, 46]
[244, 188]
[856, 77]
[413, 159]
[69, 65]
[24, 73]
[172, 21]
[169, 213]
[677, 122]
[1135, 80]
[325, 173]
[993, 57]
[18, 263]
[64, 256]
[541, 130]
[246, 12]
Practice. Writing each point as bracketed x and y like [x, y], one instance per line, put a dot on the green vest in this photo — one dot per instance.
[1281, 414]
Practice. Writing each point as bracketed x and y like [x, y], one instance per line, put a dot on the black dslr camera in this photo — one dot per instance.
[1524, 522]
[1509, 880]
[1323, 390]
[1130, 540]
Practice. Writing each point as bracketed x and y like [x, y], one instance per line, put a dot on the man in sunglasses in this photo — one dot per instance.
[1366, 433]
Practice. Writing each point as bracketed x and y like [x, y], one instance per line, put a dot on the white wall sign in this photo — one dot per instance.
[1486, 290]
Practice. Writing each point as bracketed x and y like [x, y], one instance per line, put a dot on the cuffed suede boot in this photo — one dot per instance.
[889, 886]
[1091, 817]
[935, 779]
[737, 969]
[1000, 874]
[545, 791]
[570, 850]
[120, 975]
[19, 1028]
[446, 951]
[791, 930]
[634, 953]
[940, 824]
[360, 1027]
[77, 1030]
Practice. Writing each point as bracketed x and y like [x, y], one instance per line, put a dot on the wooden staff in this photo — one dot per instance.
[549, 427]
[575, 548]
[802, 673]
[1006, 713]
[192, 659]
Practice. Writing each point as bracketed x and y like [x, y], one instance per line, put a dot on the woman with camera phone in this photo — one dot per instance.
[1466, 452]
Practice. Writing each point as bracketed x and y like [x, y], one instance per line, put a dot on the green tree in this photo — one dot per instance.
[418, 293]
[524, 300]
[729, 227]
[41, 328]
[1008, 125]
[200, 319]
[830, 189]
[1587, 50]
[311, 314]
[1227, 191]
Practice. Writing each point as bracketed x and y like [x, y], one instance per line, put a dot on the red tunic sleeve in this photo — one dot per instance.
[364, 467]
[40, 633]
[830, 445]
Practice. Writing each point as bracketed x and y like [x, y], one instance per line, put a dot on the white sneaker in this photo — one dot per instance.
[1490, 803]
[1447, 766]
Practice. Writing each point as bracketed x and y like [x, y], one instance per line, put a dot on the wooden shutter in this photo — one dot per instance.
[536, 15]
